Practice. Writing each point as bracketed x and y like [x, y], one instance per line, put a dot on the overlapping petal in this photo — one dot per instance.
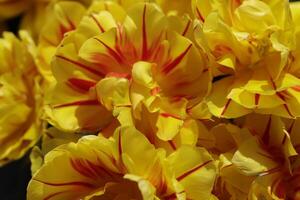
[124, 166]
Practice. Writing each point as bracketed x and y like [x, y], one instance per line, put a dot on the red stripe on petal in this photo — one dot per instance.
[74, 183]
[81, 83]
[78, 103]
[99, 170]
[49, 135]
[172, 144]
[199, 14]
[280, 95]
[120, 144]
[144, 38]
[111, 51]
[78, 166]
[227, 166]
[271, 171]
[256, 98]
[186, 174]
[97, 23]
[273, 84]
[119, 75]
[291, 127]
[186, 28]
[169, 67]
[226, 107]
[166, 115]
[238, 2]
[98, 73]
[283, 139]
[288, 110]
[296, 88]
[266, 136]
[64, 29]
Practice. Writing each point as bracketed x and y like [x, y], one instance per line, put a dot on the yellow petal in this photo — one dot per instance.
[254, 16]
[71, 110]
[142, 73]
[219, 105]
[194, 168]
[168, 126]
[252, 160]
[113, 92]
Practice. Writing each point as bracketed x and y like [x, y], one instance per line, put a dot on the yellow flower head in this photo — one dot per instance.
[125, 166]
[19, 103]
[268, 154]
[249, 44]
[132, 63]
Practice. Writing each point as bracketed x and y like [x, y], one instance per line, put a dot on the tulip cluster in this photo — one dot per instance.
[153, 99]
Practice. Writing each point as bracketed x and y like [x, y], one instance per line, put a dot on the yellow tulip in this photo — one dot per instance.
[127, 62]
[266, 154]
[249, 45]
[125, 166]
[20, 97]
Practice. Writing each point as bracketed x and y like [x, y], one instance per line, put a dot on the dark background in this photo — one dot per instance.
[15, 176]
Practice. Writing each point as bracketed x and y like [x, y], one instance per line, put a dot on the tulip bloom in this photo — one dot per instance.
[124, 166]
[132, 64]
[20, 97]
[267, 155]
[249, 45]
